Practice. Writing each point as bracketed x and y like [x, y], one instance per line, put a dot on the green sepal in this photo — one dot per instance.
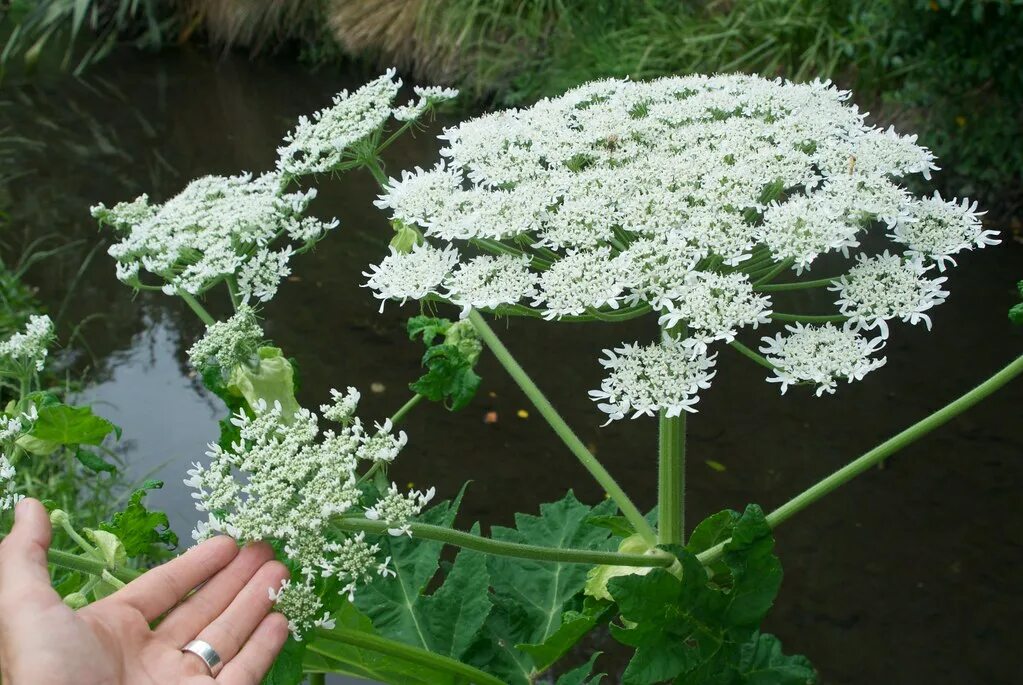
[272, 380]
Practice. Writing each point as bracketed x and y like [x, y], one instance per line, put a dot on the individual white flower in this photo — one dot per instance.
[285, 482]
[489, 282]
[318, 144]
[415, 274]
[9, 495]
[429, 96]
[580, 281]
[644, 380]
[935, 229]
[397, 509]
[887, 286]
[228, 343]
[26, 350]
[343, 408]
[216, 227]
[715, 306]
[821, 355]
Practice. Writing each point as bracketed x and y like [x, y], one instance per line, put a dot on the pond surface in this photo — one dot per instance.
[910, 574]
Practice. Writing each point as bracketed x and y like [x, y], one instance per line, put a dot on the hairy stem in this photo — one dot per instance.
[381, 645]
[574, 444]
[199, 310]
[750, 354]
[73, 562]
[882, 451]
[486, 545]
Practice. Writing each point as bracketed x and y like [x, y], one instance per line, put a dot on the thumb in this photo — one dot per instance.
[23, 551]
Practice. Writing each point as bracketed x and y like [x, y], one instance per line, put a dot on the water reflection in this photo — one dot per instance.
[880, 578]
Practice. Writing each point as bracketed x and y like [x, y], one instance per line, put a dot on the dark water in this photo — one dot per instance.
[910, 574]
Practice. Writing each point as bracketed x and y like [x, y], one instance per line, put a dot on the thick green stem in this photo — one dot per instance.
[73, 562]
[750, 354]
[373, 164]
[882, 451]
[232, 290]
[199, 310]
[773, 273]
[671, 480]
[479, 543]
[574, 444]
[415, 655]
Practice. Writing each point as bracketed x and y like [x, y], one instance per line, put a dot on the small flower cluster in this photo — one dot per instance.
[12, 427]
[26, 351]
[9, 495]
[228, 343]
[676, 195]
[821, 355]
[285, 481]
[319, 144]
[217, 227]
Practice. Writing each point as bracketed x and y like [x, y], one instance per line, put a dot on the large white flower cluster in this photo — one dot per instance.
[215, 228]
[285, 481]
[26, 350]
[676, 195]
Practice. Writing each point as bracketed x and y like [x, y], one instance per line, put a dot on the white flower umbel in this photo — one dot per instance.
[415, 274]
[821, 355]
[285, 481]
[580, 281]
[302, 606]
[228, 343]
[9, 495]
[397, 509]
[716, 306]
[490, 282]
[645, 380]
[343, 406]
[682, 195]
[887, 286]
[217, 227]
[935, 230]
[429, 96]
[318, 144]
[26, 351]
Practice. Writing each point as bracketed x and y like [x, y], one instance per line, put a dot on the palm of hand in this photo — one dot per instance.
[44, 642]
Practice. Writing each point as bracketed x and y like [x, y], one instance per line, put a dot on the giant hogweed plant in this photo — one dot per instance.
[698, 203]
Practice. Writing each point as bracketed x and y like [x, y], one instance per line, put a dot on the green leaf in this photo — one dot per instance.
[618, 525]
[761, 662]
[429, 327]
[535, 619]
[574, 625]
[287, 667]
[450, 376]
[272, 381]
[581, 675]
[693, 631]
[65, 425]
[445, 622]
[137, 527]
[337, 656]
[94, 462]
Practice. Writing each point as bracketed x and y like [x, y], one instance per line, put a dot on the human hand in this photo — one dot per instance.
[44, 642]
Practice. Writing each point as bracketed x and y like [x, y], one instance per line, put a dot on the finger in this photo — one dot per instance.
[199, 610]
[258, 654]
[155, 592]
[23, 552]
[229, 631]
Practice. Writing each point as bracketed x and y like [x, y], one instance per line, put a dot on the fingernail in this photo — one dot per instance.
[18, 508]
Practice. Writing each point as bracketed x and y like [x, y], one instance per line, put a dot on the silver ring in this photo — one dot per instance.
[204, 651]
